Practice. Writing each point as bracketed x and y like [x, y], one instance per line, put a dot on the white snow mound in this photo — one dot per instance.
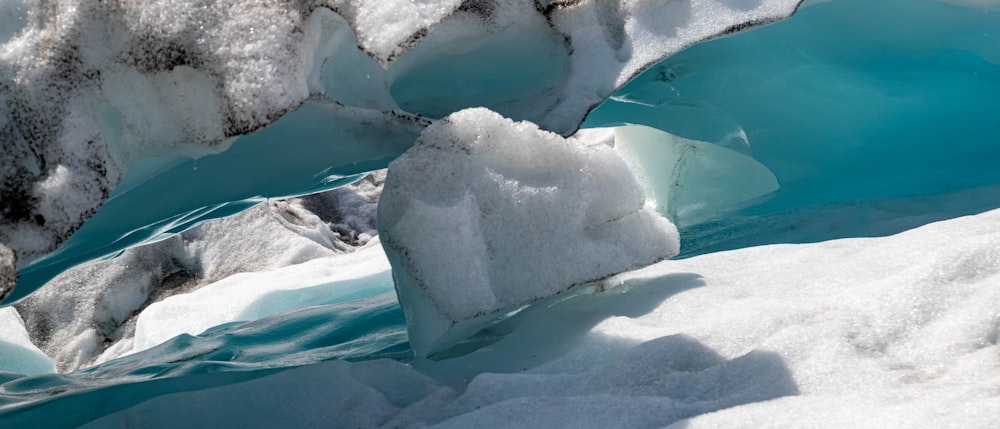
[484, 215]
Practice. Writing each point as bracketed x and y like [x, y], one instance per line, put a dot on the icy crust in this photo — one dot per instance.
[87, 88]
[484, 215]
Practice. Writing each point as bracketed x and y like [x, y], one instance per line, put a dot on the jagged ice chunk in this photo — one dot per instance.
[484, 215]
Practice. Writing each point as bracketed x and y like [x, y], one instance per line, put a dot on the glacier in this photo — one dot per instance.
[831, 177]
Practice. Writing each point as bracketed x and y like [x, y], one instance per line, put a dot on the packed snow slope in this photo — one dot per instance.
[898, 331]
[94, 312]
[111, 101]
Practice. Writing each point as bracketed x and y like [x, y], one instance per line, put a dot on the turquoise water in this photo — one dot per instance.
[853, 105]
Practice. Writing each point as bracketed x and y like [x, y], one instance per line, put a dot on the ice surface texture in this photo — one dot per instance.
[89, 90]
[484, 215]
[897, 331]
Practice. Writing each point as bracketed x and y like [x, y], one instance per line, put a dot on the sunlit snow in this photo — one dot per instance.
[188, 227]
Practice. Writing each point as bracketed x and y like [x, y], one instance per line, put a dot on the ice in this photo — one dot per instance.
[92, 91]
[88, 313]
[103, 100]
[13, 16]
[17, 354]
[304, 397]
[251, 296]
[174, 198]
[690, 181]
[484, 215]
[874, 117]
[898, 331]
[73, 79]
[478, 67]
[388, 28]
[837, 119]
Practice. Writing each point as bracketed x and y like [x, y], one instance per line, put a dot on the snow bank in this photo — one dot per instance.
[896, 332]
[484, 215]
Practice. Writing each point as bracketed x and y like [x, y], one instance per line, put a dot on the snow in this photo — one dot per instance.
[484, 215]
[843, 118]
[897, 331]
[871, 126]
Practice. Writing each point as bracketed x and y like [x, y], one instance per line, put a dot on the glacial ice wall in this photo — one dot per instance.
[93, 94]
[840, 104]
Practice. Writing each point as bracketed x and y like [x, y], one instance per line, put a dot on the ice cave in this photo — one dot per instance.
[500, 213]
